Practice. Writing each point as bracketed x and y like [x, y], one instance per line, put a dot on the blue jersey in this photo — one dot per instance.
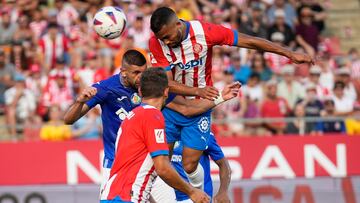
[116, 101]
[214, 151]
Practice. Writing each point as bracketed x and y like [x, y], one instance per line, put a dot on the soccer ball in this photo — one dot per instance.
[109, 22]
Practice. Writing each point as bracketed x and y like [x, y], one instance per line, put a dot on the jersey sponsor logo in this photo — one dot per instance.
[204, 124]
[197, 48]
[135, 99]
[159, 135]
[188, 65]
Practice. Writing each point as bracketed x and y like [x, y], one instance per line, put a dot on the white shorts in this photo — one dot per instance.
[160, 191]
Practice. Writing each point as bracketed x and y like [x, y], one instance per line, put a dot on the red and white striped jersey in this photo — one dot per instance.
[191, 62]
[140, 138]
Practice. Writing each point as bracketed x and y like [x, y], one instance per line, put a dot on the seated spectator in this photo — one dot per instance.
[38, 24]
[254, 26]
[326, 63]
[258, 65]
[354, 58]
[20, 105]
[297, 126]
[55, 129]
[274, 107]
[314, 76]
[241, 72]
[307, 34]
[86, 74]
[140, 32]
[312, 106]
[290, 13]
[289, 88]
[32, 127]
[88, 126]
[281, 26]
[7, 28]
[324, 127]
[318, 10]
[343, 104]
[219, 63]
[353, 123]
[276, 61]
[251, 97]
[7, 75]
[343, 75]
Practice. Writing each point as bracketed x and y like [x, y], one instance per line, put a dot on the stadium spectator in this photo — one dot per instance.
[343, 103]
[241, 72]
[20, 105]
[182, 11]
[66, 14]
[353, 123]
[23, 32]
[7, 73]
[251, 97]
[274, 107]
[55, 129]
[281, 26]
[7, 27]
[38, 24]
[275, 61]
[88, 126]
[219, 63]
[314, 76]
[297, 126]
[343, 75]
[318, 10]
[290, 89]
[290, 13]
[140, 32]
[327, 77]
[52, 45]
[254, 25]
[331, 126]
[19, 56]
[258, 65]
[307, 34]
[86, 75]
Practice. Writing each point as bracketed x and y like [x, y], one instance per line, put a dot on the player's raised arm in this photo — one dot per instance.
[196, 107]
[79, 108]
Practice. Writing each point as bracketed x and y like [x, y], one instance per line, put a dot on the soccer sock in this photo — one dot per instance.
[196, 178]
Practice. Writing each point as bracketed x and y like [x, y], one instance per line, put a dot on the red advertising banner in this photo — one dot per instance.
[76, 162]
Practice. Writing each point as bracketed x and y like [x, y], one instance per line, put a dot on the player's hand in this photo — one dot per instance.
[231, 91]
[222, 197]
[87, 94]
[199, 196]
[301, 58]
[208, 92]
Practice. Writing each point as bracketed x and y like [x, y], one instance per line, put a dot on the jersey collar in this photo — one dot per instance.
[187, 23]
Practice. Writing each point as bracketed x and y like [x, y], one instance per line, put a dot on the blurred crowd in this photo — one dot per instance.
[49, 52]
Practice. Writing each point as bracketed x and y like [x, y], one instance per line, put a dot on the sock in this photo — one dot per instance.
[196, 178]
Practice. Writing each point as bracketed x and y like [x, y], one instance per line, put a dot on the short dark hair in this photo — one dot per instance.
[153, 82]
[134, 57]
[339, 84]
[160, 17]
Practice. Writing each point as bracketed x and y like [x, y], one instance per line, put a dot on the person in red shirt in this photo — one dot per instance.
[274, 107]
[142, 138]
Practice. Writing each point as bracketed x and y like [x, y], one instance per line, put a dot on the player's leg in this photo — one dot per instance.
[105, 177]
[195, 140]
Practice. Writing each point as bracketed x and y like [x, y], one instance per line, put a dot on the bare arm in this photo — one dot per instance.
[164, 169]
[250, 42]
[79, 108]
[181, 89]
[196, 106]
[225, 178]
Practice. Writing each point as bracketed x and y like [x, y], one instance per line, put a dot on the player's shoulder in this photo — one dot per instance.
[110, 81]
[148, 112]
[154, 41]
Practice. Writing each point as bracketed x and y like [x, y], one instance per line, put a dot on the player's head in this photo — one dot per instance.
[166, 26]
[133, 65]
[154, 84]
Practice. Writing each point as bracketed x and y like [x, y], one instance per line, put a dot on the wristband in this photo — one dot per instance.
[219, 99]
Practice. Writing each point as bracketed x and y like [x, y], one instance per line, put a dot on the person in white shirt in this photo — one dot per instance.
[20, 105]
[343, 75]
[343, 104]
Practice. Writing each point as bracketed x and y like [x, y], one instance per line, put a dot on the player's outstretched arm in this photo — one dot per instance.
[251, 42]
[79, 108]
[164, 169]
[225, 177]
[197, 107]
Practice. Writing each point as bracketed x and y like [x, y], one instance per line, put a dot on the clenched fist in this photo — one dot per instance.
[86, 94]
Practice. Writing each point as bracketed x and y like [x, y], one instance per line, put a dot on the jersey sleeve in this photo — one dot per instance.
[170, 98]
[157, 57]
[155, 137]
[220, 35]
[99, 97]
[214, 149]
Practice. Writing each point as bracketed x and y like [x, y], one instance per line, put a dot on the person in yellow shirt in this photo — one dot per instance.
[353, 123]
[55, 129]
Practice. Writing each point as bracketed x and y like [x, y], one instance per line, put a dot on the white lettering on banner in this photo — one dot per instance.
[263, 169]
[312, 153]
[75, 160]
[236, 168]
